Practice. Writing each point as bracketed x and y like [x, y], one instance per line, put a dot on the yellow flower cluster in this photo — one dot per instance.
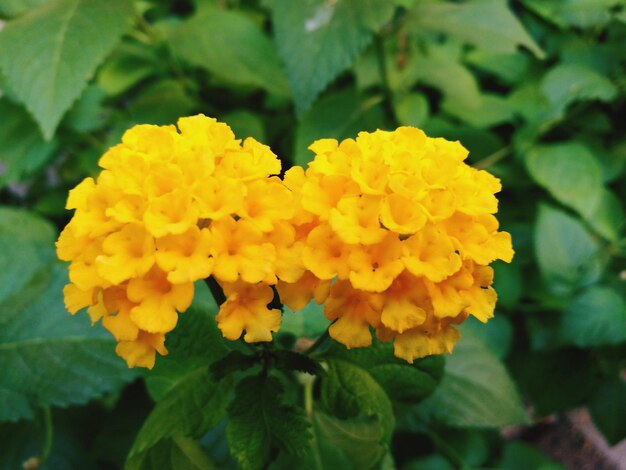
[171, 208]
[393, 231]
[406, 230]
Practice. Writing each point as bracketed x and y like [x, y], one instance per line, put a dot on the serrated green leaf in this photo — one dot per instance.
[567, 255]
[348, 390]
[259, 421]
[67, 41]
[22, 149]
[568, 83]
[233, 362]
[595, 317]
[340, 115]
[231, 46]
[608, 410]
[570, 172]
[583, 13]
[476, 389]
[189, 409]
[48, 357]
[293, 361]
[403, 382]
[317, 40]
[510, 68]
[175, 453]
[487, 24]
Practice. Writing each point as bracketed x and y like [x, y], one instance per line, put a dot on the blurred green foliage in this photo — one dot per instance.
[534, 89]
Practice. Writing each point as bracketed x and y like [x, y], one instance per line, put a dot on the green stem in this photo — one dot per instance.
[492, 159]
[47, 443]
[308, 397]
[323, 339]
[384, 77]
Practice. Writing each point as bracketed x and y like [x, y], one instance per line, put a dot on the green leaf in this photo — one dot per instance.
[510, 68]
[522, 456]
[608, 410]
[88, 113]
[607, 217]
[570, 172]
[487, 24]
[567, 255]
[195, 343]
[348, 390]
[23, 151]
[26, 246]
[293, 361]
[48, 357]
[431, 462]
[508, 283]
[476, 389]
[13, 8]
[259, 421]
[496, 334]
[161, 103]
[175, 452]
[232, 47]
[128, 65]
[339, 116]
[403, 382]
[190, 409]
[583, 13]
[233, 362]
[491, 110]
[245, 124]
[568, 83]
[317, 40]
[349, 444]
[411, 109]
[595, 317]
[556, 380]
[68, 40]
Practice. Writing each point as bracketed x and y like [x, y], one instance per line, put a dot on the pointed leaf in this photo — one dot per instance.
[259, 421]
[318, 39]
[67, 40]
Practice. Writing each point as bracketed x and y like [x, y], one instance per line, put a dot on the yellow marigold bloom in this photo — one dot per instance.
[171, 207]
[407, 230]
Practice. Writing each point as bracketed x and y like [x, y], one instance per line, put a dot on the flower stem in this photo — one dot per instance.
[323, 339]
[384, 78]
[48, 428]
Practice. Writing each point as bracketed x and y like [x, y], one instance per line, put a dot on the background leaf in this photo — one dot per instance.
[317, 40]
[567, 255]
[232, 47]
[595, 317]
[68, 40]
[570, 172]
[489, 24]
[50, 358]
[476, 389]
